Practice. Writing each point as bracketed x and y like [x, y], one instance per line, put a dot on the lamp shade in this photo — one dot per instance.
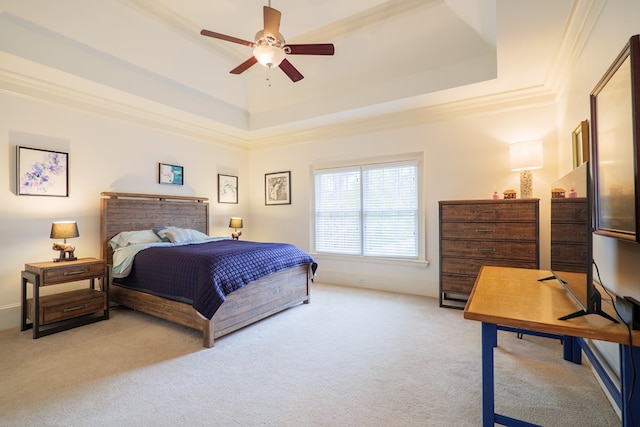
[64, 230]
[268, 55]
[235, 223]
[525, 155]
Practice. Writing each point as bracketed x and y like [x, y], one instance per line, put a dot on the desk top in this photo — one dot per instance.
[514, 297]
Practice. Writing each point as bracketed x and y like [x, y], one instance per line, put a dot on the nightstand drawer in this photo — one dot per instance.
[67, 305]
[52, 273]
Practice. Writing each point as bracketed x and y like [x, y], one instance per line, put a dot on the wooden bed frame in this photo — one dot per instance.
[249, 304]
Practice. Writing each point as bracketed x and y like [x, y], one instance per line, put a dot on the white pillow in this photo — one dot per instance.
[127, 238]
[184, 235]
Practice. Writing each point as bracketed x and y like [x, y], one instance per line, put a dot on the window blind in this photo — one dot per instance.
[368, 210]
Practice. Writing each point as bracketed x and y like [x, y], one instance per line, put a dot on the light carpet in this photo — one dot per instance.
[352, 357]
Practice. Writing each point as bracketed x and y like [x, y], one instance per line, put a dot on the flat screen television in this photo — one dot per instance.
[615, 119]
[582, 287]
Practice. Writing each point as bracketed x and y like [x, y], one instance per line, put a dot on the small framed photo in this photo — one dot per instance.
[277, 188]
[42, 172]
[580, 140]
[170, 174]
[227, 189]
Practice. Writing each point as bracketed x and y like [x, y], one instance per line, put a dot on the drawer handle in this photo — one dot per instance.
[485, 230]
[486, 212]
[79, 307]
[485, 249]
[73, 273]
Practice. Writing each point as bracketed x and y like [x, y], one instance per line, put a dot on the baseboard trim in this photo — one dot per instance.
[9, 316]
[610, 385]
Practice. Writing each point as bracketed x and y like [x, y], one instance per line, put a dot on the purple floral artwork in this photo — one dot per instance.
[42, 172]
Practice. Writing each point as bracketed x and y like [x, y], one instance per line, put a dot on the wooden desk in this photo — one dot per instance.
[513, 297]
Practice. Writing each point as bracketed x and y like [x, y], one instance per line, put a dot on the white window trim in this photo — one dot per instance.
[351, 163]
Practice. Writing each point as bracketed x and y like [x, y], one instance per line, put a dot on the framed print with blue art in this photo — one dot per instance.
[170, 174]
[42, 172]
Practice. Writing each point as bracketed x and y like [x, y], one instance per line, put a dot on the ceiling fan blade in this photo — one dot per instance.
[311, 49]
[290, 71]
[244, 66]
[271, 22]
[226, 38]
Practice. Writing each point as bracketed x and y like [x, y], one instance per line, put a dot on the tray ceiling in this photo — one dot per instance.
[391, 56]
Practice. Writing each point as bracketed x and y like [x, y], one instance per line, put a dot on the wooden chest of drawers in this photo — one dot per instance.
[569, 234]
[474, 233]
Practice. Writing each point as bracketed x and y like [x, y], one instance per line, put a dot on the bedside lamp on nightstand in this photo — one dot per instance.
[64, 230]
[235, 223]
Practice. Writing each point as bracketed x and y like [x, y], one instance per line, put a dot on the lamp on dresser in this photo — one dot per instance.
[524, 157]
[64, 230]
[235, 223]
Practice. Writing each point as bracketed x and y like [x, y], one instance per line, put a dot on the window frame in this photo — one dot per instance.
[417, 158]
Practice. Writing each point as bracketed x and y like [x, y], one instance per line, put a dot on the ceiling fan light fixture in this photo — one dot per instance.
[268, 55]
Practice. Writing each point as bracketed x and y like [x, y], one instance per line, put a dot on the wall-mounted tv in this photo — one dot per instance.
[615, 118]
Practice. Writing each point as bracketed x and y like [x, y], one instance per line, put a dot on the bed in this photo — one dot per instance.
[121, 212]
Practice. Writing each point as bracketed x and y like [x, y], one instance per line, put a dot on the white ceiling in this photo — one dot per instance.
[391, 56]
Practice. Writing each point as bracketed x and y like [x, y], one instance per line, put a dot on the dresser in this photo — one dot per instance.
[569, 234]
[474, 233]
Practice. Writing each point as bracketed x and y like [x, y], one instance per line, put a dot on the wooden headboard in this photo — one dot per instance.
[129, 212]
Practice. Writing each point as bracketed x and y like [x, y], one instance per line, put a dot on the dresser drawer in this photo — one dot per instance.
[569, 233]
[457, 284]
[568, 253]
[495, 211]
[561, 266]
[489, 231]
[569, 210]
[471, 266]
[489, 249]
[67, 305]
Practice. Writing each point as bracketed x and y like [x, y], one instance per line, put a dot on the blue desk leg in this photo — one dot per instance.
[572, 351]
[629, 382]
[489, 340]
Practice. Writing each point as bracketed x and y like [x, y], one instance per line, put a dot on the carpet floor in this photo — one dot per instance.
[352, 357]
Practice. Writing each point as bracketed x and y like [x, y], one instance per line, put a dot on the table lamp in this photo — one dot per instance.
[525, 157]
[235, 223]
[64, 230]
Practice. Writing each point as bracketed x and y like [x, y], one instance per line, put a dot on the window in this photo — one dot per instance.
[368, 210]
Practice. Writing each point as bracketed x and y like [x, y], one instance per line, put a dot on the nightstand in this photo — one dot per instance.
[65, 310]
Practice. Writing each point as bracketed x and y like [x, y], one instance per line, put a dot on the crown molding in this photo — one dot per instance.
[95, 99]
[582, 19]
[124, 106]
[481, 105]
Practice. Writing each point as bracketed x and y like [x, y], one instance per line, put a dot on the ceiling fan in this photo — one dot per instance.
[270, 48]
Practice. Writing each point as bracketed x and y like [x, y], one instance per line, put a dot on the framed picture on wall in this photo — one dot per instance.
[227, 189]
[42, 172]
[277, 188]
[580, 140]
[170, 174]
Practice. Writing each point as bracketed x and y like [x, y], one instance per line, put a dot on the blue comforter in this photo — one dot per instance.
[204, 274]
